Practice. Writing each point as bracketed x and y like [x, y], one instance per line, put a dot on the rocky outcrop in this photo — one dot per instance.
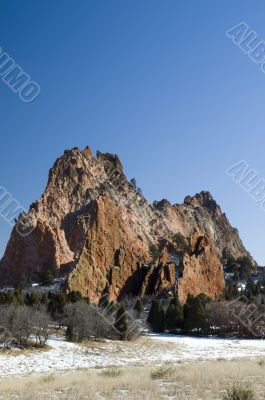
[92, 225]
[202, 271]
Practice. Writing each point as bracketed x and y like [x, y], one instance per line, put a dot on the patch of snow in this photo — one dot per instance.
[205, 348]
[65, 356]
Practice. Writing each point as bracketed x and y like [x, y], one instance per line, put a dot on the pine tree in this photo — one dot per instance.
[133, 183]
[154, 251]
[44, 299]
[156, 317]
[69, 335]
[139, 309]
[18, 297]
[194, 313]
[111, 307]
[75, 296]
[104, 301]
[121, 323]
[32, 299]
[174, 316]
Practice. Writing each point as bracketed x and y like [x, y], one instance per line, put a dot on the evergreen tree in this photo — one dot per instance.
[18, 297]
[104, 301]
[156, 318]
[121, 323]
[57, 304]
[75, 296]
[231, 292]
[8, 298]
[110, 310]
[194, 314]
[139, 191]
[154, 251]
[139, 308]
[69, 335]
[31, 299]
[174, 316]
[181, 242]
[133, 183]
[44, 299]
[245, 267]
[47, 276]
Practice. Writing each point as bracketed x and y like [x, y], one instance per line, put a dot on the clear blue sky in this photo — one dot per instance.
[157, 82]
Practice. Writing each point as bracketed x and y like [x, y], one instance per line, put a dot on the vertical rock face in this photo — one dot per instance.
[202, 269]
[93, 226]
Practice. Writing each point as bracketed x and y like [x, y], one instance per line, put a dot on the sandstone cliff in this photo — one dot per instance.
[92, 225]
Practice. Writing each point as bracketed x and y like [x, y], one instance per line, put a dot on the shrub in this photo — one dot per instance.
[163, 372]
[19, 323]
[154, 251]
[40, 325]
[84, 321]
[180, 241]
[239, 393]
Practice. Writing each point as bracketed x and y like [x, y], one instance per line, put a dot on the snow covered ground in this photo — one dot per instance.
[194, 348]
[155, 349]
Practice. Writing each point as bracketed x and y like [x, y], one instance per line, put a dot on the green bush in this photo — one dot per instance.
[239, 392]
[181, 242]
[154, 251]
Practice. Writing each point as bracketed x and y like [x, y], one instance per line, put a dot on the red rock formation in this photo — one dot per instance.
[92, 225]
[202, 270]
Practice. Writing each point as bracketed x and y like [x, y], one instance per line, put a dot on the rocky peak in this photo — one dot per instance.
[110, 160]
[162, 204]
[202, 199]
[92, 223]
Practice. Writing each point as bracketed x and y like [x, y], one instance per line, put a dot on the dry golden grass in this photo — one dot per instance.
[142, 342]
[191, 381]
[25, 351]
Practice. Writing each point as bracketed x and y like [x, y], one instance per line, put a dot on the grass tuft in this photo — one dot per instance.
[48, 378]
[239, 392]
[112, 372]
[166, 371]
